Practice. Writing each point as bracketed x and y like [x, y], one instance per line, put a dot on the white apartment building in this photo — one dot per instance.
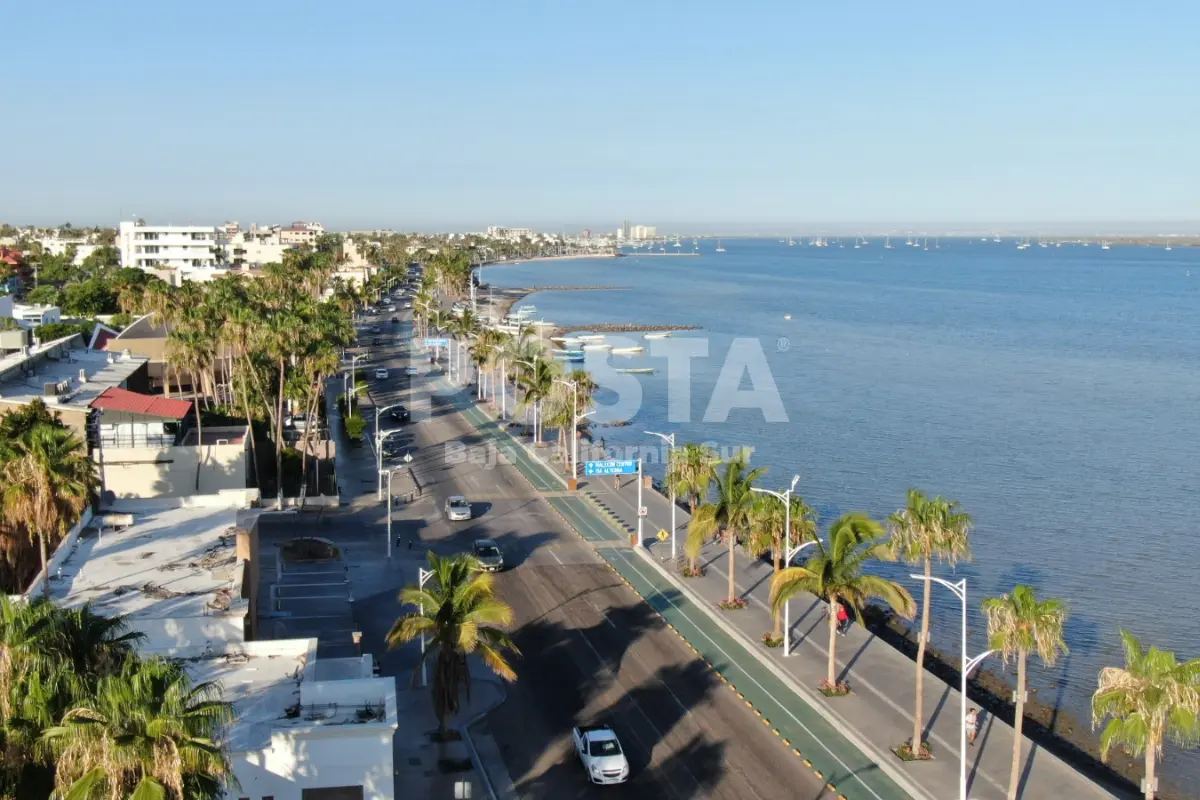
[511, 234]
[173, 252]
[34, 315]
[643, 232]
[301, 233]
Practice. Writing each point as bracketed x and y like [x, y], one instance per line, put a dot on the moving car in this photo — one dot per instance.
[488, 554]
[381, 373]
[395, 320]
[600, 753]
[458, 509]
[411, 371]
[391, 308]
[376, 341]
[400, 414]
[408, 305]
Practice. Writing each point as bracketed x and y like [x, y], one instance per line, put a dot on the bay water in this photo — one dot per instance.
[1052, 391]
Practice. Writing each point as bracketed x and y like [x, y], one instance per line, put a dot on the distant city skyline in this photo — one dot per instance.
[771, 116]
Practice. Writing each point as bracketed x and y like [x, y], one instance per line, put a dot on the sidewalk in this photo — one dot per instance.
[873, 719]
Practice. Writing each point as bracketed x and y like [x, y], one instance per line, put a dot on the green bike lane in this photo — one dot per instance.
[803, 732]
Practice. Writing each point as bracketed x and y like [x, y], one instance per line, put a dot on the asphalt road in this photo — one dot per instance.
[592, 651]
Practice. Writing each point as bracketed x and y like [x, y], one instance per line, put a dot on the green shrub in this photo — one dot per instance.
[355, 426]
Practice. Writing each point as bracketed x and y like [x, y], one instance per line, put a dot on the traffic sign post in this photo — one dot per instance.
[641, 508]
[627, 466]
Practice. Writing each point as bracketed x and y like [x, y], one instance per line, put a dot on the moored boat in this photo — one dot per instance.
[637, 371]
[659, 335]
[628, 351]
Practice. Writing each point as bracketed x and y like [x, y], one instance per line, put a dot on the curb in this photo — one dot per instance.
[476, 761]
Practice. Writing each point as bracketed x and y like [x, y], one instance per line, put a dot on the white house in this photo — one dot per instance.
[34, 315]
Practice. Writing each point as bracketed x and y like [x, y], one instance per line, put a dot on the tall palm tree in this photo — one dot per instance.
[727, 515]
[191, 350]
[689, 471]
[459, 613]
[159, 301]
[47, 485]
[1018, 623]
[538, 382]
[147, 733]
[1152, 697]
[925, 529]
[834, 573]
[768, 519]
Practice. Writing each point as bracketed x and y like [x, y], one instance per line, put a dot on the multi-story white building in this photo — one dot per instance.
[173, 252]
[511, 234]
[643, 232]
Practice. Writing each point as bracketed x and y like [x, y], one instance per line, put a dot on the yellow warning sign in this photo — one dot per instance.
[663, 535]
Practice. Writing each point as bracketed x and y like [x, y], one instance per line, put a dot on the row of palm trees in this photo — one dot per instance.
[84, 716]
[258, 346]
[1152, 698]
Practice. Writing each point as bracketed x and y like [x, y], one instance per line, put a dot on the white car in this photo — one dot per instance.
[600, 753]
[381, 374]
[458, 508]
[411, 371]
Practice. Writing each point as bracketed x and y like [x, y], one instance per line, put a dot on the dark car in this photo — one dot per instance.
[395, 320]
[376, 341]
[400, 414]
[488, 554]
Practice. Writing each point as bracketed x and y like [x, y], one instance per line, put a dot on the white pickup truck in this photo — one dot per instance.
[601, 754]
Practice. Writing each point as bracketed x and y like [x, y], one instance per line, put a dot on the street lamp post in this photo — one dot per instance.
[389, 511]
[959, 588]
[790, 552]
[669, 439]
[423, 575]
[379, 412]
[353, 386]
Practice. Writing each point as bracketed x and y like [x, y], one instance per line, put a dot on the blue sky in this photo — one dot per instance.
[726, 115]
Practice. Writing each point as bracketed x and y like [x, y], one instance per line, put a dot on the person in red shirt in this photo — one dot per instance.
[843, 619]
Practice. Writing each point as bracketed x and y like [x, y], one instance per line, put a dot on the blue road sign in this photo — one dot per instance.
[437, 342]
[627, 466]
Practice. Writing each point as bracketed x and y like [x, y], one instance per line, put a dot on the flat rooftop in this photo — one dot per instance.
[23, 377]
[261, 687]
[171, 564]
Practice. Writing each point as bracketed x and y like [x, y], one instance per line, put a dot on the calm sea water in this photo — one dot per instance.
[1053, 392]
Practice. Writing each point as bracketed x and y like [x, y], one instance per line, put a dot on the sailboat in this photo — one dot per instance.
[887, 242]
[1104, 246]
[791, 242]
[720, 248]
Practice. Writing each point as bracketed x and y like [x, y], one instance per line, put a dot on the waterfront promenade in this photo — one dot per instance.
[865, 725]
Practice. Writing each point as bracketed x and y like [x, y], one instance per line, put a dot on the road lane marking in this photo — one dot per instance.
[732, 662]
[556, 558]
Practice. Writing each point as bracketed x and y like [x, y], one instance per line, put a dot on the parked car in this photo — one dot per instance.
[411, 371]
[458, 509]
[488, 554]
[600, 753]
[391, 308]
[400, 414]
[395, 320]
[376, 341]
[407, 305]
[381, 374]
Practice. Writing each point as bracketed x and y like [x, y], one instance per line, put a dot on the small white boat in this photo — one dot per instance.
[597, 346]
[541, 323]
[563, 339]
[660, 335]
[637, 371]
[628, 351]
[591, 337]
[787, 316]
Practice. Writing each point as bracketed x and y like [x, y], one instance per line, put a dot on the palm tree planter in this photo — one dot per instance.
[771, 640]
[691, 571]
[834, 574]
[736, 604]
[904, 752]
[726, 516]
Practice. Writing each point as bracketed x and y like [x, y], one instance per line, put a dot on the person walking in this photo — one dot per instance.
[843, 619]
[972, 725]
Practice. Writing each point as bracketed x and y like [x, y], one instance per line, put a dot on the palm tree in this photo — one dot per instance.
[538, 383]
[925, 529]
[834, 574]
[728, 514]
[47, 485]
[1017, 623]
[1152, 697]
[191, 349]
[689, 470]
[768, 518]
[458, 612]
[147, 733]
